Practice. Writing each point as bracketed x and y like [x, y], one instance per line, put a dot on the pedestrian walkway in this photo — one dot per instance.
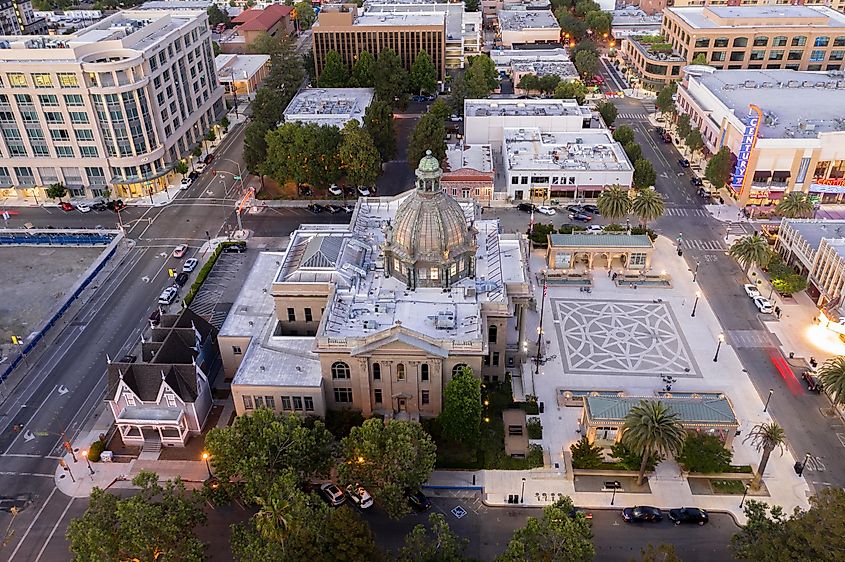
[633, 116]
[704, 245]
[686, 212]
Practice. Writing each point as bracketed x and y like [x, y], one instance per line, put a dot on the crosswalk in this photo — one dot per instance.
[633, 116]
[751, 338]
[707, 245]
[685, 212]
[649, 106]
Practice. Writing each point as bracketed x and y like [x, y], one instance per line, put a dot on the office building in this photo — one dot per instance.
[485, 120]
[329, 106]
[241, 74]
[656, 7]
[524, 27]
[740, 37]
[470, 172]
[18, 18]
[800, 142]
[113, 107]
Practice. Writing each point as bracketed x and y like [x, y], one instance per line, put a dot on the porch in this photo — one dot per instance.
[138, 425]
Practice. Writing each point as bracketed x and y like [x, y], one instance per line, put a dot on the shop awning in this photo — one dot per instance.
[781, 175]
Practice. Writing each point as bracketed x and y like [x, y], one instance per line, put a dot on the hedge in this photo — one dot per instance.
[203, 273]
[95, 450]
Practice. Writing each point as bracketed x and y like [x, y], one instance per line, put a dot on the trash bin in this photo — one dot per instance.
[106, 456]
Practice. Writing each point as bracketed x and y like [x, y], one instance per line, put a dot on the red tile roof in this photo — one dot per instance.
[247, 15]
[266, 18]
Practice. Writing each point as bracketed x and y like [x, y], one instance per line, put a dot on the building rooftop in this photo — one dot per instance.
[565, 70]
[414, 18]
[813, 231]
[329, 106]
[692, 411]
[477, 157]
[591, 240]
[254, 305]
[526, 5]
[280, 361]
[711, 17]
[256, 19]
[518, 107]
[504, 57]
[455, 16]
[795, 104]
[589, 149]
[521, 20]
[631, 15]
[238, 66]
[175, 5]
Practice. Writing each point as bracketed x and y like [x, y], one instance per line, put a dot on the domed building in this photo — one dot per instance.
[429, 243]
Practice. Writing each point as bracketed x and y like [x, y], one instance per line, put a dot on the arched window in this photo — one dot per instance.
[424, 372]
[400, 371]
[457, 368]
[340, 370]
[376, 372]
[492, 333]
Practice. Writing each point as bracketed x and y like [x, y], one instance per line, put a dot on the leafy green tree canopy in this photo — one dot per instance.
[390, 77]
[437, 544]
[359, 157]
[460, 419]
[644, 174]
[362, 71]
[378, 122]
[704, 453]
[607, 111]
[623, 134]
[429, 134]
[335, 74]
[556, 535]
[719, 168]
[423, 76]
[216, 16]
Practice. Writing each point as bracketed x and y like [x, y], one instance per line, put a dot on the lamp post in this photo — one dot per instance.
[744, 493]
[695, 305]
[695, 273]
[540, 327]
[718, 347]
[85, 454]
[613, 497]
[205, 457]
[522, 497]
[771, 391]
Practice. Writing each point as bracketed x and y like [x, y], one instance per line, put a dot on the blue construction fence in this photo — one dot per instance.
[67, 239]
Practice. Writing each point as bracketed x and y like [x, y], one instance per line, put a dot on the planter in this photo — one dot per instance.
[601, 472]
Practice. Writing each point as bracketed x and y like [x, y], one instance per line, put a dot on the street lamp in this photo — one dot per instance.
[85, 454]
[744, 493]
[205, 457]
[719, 346]
[695, 305]
[695, 273]
[613, 497]
[771, 391]
[522, 498]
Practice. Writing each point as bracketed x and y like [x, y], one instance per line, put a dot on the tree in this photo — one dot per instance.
[286, 70]
[648, 205]
[56, 191]
[694, 141]
[644, 174]
[471, 5]
[529, 83]
[181, 167]
[334, 74]
[304, 154]
[704, 453]
[438, 544]
[683, 125]
[423, 76]
[814, 534]
[651, 428]
[305, 14]
[718, 170]
[255, 145]
[224, 123]
[157, 523]
[575, 27]
[387, 457]
[481, 77]
[268, 106]
[378, 122]
[633, 150]
[460, 419]
[362, 71]
[215, 48]
[390, 77]
[587, 63]
[614, 202]
[795, 205]
[765, 437]
[700, 58]
[599, 21]
[258, 448]
[429, 134]
[607, 111]
[662, 553]
[216, 16]
[548, 83]
[584, 7]
[359, 158]
[665, 101]
[440, 109]
[832, 375]
[571, 90]
[750, 251]
[556, 535]
[623, 135]
[585, 454]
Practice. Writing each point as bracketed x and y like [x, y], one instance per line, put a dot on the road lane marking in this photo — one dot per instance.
[31, 524]
[12, 444]
[53, 530]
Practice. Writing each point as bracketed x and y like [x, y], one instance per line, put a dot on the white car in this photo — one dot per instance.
[751, 290]
[189, 265]
[168, 295]
[83, 207]
[364, 190]
[185, 183]
[199, 167]
[763, 305]
[456, 118]
[595, 228]
[359, 496]
[335, 190]
[546, 211]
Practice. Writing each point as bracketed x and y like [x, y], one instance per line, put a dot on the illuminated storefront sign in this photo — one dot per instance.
[752, 127]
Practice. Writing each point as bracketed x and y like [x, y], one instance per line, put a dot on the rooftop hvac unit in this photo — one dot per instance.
[445, 320]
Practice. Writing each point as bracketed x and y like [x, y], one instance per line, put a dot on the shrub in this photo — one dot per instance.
[629, 460]
[95, 450]
[530, 405]
[535, 428]
[704, 453]
[614, 228]
[585, 454]
[203, 273]
[640, 230]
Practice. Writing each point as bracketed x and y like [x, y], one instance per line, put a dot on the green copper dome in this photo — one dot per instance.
[428, 164]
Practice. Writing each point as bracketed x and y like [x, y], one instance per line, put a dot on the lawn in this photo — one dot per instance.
[728, 486]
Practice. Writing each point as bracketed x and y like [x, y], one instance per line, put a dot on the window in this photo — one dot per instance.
[73, 99]
[247, 402]
[64, 151]
[340, 370]
[636, 259]
[42, 80]
[457, 368]
[817, 55]
[309, 403]
[129, 398]
[720, 42]
[795, 55]
[79, 117]
[377, 396]
[376, 372]
[59, 135]
[68, 80]
[84, 134]
[492, 333]
[54, 117]
[740, 42]
[291, 315]
[343, 395]
[758, 55]
[236, 349]
[837, 55]
[717, 56]
[297, 402]
[799, 41]
[23, 99]
[259, 401]
[839, 41]
[400, 372]
[776, 55]
[761, 41]
[702, 42]
[286, 403]
[424, 398]
[17, 80]
[88, 151]
[48, 100]
[308, 317]
[821, 42]
[270, 402]
[171, 400]
[424, 372]
[737, 55]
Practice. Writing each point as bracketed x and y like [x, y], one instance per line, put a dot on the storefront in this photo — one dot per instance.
[136, 187]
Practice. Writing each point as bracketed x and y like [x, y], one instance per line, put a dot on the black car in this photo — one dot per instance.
[208, 158]
[688, 515]
[128, 358]
[592, 209]
[334, 209]
[116, 205]
[236, 248]
[581, 217]
[660, 131]
[527, 207]
[683, 163]
[575, 208]
[696, 182]
[418, 500]
[193, 175]
[181, 279]
[99, 206]
[642, 513]
[316, 208]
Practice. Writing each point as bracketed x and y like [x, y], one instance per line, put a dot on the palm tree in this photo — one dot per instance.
[649, 429]
[765, 437]
[648, 205]
[614, 202]
[751, 250]
[271, 520]
[795, 205]
[832, 374]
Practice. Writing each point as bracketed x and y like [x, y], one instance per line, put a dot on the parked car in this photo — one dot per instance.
[155, 318]
[688, 515]
[359, 496]
[581, 217]
[527, 207]
[683, 163]
[189, 265]
[696, 182]
[199, 167]
[575, 208]
[546, 210]
[455, 118]
[576, 511]
[185, 183]
[660, 131]
[316, 208]
[763, 305]
[335, 190]
[128, 358]
[116, 205]
[235, 248]
[99, 206]
[812, 382]
[667, 138]
[418, 500]
[65, 206]
[83, 208]
[181, 279]
[209, 158]
[332, 494]
[193, 175]
[364, 190]
[168, 295]
[641, 513]
[334, 209]
[592, 209]
[179, 251]
[595, 228]
[751, 290]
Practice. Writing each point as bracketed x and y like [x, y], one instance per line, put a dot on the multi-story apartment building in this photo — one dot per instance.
[113, 106]
[732, 38]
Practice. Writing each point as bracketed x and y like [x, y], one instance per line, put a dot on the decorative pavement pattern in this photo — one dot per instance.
[621, 338]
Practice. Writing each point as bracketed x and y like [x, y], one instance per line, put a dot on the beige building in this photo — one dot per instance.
[740, 37]
[570, 253]
[378, 315]
[241, 74]
[816, 249]
[800, 143]
[524, 27]
[485, 120]
[114, 106]
[657, 6]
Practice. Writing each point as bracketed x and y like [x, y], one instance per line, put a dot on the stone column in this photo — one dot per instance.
[520, 325]
[364, 387]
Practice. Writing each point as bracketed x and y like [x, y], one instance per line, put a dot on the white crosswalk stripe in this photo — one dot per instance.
[713, 245]
[685, 212]
[632, 116]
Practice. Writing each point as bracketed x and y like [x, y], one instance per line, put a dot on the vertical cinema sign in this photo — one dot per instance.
[749, 138]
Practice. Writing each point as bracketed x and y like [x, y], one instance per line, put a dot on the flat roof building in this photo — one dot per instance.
[553, 165]
[103, 108]
[634, 21]
[486, 119]
[800, 142]
[329, 106]
[469, 173]
[241, 74]
[522, 27]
